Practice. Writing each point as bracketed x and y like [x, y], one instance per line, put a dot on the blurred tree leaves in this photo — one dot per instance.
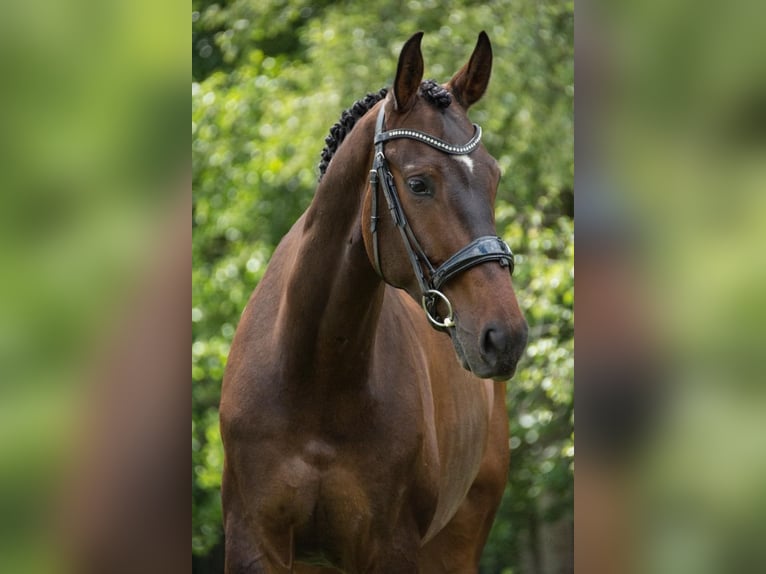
[269, 79]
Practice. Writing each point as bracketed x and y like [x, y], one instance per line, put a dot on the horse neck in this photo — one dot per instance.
[333, 296]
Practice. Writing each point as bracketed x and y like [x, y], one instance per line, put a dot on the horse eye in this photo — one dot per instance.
[418, 186]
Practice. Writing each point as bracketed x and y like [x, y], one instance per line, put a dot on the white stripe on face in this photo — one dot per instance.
[464, 159]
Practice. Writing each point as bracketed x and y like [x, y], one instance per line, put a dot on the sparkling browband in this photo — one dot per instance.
[432, 141]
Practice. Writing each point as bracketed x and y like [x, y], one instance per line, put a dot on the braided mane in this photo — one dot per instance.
[430, 90]
[346, 123]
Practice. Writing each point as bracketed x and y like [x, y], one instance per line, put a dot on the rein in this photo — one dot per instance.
[430, 279]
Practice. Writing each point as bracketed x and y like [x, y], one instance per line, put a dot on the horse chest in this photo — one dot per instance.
[345, 491]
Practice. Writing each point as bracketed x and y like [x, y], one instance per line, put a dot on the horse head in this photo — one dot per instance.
[439, 183]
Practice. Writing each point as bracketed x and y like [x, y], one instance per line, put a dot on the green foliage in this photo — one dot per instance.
[274, 77]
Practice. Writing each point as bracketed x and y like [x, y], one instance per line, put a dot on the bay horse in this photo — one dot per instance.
[353, 439]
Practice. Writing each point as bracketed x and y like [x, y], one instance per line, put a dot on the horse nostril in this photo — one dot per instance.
[494, 343]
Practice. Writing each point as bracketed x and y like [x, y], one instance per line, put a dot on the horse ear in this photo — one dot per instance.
[470, 83]
[409, 73]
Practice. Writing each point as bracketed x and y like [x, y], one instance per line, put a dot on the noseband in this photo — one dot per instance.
[430, 278]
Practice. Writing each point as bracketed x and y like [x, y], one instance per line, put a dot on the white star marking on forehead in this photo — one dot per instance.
[464, 159]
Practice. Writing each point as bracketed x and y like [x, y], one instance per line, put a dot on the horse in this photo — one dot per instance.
[363, 408]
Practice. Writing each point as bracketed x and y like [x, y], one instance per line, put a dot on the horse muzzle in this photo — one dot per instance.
[494, 352]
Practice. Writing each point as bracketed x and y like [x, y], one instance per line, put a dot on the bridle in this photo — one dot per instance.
[430, 279]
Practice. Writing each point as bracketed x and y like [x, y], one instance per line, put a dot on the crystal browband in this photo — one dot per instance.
[432, 141]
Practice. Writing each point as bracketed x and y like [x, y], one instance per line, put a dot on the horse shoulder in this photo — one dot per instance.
[451, 407]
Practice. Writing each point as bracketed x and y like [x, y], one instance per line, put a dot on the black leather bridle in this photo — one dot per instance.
[430, 279]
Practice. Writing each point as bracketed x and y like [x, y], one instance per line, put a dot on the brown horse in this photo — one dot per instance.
[354, 440]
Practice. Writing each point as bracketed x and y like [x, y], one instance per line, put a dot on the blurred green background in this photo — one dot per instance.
[92, 160]
[269, 79]
[671, 115]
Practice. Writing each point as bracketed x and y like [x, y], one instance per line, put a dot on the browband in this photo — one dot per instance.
[434, 142]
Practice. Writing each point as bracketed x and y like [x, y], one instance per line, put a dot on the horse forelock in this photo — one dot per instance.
[435, 93]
